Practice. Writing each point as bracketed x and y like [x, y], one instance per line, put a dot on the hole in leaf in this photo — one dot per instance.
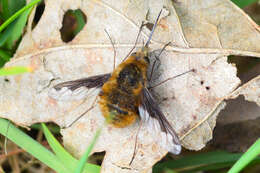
[207, 88]
[6, 80]
[97, 158]
[202, 82]
[247, 67]
[73, 22]
[38, 14]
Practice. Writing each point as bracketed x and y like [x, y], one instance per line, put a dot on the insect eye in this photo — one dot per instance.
[147, 59]
[134, 54]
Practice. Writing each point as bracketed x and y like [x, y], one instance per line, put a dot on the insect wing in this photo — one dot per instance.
[77, 89]
[157, 123]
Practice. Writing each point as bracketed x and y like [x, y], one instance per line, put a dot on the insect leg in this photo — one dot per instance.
[135, 148]
[173, 77]
[157, 59]
[113, 44]
[91, 107]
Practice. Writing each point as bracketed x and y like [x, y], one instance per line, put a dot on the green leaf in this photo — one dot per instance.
[246, 158]
[14, 70]
[31, 146]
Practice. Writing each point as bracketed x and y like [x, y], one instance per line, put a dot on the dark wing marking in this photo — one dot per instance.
[157, 123]
[77, 89]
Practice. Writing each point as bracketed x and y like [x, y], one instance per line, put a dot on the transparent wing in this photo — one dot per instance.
[157, 123]
[77, 89]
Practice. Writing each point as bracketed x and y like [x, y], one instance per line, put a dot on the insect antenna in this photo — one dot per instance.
[113, 44]
[139, 33]
[136, 40]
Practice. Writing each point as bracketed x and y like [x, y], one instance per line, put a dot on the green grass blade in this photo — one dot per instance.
[31, 146]
[15, 5]
[9, 7]
[18, 13]
[84, 158]
[246, 158]
[243, 3]
[16, 29]
[202, 161]
[63, 155]
[55, 129]
[14, 70]
[4, 55]
[3, 37]
[208, 168]
[5, 9]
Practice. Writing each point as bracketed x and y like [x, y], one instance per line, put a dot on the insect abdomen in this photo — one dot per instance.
[120, 95]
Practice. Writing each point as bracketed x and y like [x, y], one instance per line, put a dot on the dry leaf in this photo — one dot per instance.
[202, 33]
[238, 109]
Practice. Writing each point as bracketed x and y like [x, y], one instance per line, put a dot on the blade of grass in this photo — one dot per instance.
[52, 127]
[31, 146]
[15, 5]
[63, 155]
[18, 13]
[5, 10]
[199, 161]
[4, 55]
[84, 158]
[14, 70]
[246, 158]
[9, 7]
[16, 28]
[3, 37]
[213, 167]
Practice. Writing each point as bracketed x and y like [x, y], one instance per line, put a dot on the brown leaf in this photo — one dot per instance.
[202, 33]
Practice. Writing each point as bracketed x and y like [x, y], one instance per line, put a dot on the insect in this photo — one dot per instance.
[125, 96]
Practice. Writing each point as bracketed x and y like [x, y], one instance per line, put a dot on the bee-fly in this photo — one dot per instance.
[124, 97]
